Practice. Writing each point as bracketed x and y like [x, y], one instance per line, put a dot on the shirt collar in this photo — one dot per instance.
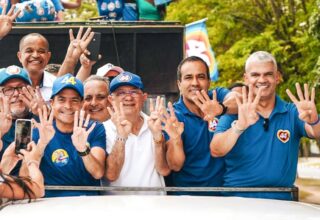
[280, 106]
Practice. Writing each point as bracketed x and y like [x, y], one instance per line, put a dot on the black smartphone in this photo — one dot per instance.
[94, 46]
[23, 134]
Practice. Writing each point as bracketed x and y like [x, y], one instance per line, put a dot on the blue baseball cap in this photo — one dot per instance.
[13, 72]
[126, 79]
[67, 81]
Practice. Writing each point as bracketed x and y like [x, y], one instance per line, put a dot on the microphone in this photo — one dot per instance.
[266, 124]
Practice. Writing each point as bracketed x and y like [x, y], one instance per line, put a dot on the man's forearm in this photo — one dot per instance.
[160, 158]
[93, 164]
[175, 154]
[115, 161]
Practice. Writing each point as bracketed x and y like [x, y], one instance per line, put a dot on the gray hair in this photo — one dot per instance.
[97, 78]
[261, 57]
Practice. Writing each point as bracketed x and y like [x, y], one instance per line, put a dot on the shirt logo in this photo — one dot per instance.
[212, 125]
[60, 157]
[283, 135]
[125, 78]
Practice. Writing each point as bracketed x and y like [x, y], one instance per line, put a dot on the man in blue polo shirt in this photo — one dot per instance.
[190, 128]
[17, 99]
[73, 146]
[260, 144]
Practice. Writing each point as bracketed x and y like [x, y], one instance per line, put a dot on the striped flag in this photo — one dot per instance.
[197, 44]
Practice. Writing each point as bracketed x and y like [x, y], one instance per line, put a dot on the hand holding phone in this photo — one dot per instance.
[94, 47]
[23, 134]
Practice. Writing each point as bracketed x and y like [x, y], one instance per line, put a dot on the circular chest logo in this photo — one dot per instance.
[60, 157]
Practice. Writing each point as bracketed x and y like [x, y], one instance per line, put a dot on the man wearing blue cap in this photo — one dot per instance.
[134, 142]
[74, 146]
[16, 101]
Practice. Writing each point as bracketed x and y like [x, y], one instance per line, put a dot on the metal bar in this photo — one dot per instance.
[176, 189]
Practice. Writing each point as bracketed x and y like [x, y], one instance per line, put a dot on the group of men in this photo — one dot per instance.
[96, 130]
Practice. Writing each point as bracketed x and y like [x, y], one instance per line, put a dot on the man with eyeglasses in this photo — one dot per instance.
[134, 141]
[17, 100]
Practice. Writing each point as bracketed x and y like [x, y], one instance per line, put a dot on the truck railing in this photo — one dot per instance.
[293, 190]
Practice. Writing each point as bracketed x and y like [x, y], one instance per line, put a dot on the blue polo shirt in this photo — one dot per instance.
[61, 164]
[200, 169]
[265, 158]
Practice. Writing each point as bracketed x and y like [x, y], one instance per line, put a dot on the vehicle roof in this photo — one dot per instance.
[160, 207]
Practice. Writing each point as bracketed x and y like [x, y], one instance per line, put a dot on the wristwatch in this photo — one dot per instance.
[86, 152]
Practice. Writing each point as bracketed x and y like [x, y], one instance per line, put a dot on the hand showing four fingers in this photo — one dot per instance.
[305, 105]
[247, 108]
[124, 126]
[6, 20]
[45, 127]
[32, 98]
[210, 108]
[5, 116]
[171, 125]
[154, 121]
[79, 44]
[80, 131]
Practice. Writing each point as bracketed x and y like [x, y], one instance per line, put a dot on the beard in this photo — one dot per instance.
[19, 113]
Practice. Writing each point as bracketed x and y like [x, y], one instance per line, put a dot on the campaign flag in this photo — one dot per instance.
[197, 44]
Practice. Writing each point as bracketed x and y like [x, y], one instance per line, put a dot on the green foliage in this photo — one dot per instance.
[88, 9]
[290, 30]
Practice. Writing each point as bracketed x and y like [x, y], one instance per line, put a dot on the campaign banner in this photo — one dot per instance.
[197, 44]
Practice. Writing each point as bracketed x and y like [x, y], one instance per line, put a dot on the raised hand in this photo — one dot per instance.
[171, 125]
[34, 153]
[305, 105]
[80, 131]
[210, 108]
[32, 98]
[9, 159]
[45, 127]
[5, 116]
[247, 108]
[79, 44]
[6, 20]
[124, 126]
[154, 121]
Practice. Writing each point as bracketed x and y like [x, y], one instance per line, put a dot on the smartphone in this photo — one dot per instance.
[94, 46]
[23, 134]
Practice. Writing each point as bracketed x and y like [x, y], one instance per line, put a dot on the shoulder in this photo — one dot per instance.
[48, 77]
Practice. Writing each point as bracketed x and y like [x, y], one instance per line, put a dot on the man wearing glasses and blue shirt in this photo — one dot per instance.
[134, 140]
[17, 97]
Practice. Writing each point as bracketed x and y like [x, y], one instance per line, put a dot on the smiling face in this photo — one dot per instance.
[96, 100]
[262, 75]
[18, 108]
[64, 106]
[34, 54]
[131, 97]
[194, 78]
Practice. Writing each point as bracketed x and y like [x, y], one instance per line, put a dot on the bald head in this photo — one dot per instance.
[35, 35]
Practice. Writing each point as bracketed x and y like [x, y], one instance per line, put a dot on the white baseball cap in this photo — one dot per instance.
[104, 70]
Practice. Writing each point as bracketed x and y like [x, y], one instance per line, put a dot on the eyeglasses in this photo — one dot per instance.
[133, 93]
[10, 91]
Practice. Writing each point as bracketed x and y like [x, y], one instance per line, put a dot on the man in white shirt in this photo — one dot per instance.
[34, 56]
[134, 141]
